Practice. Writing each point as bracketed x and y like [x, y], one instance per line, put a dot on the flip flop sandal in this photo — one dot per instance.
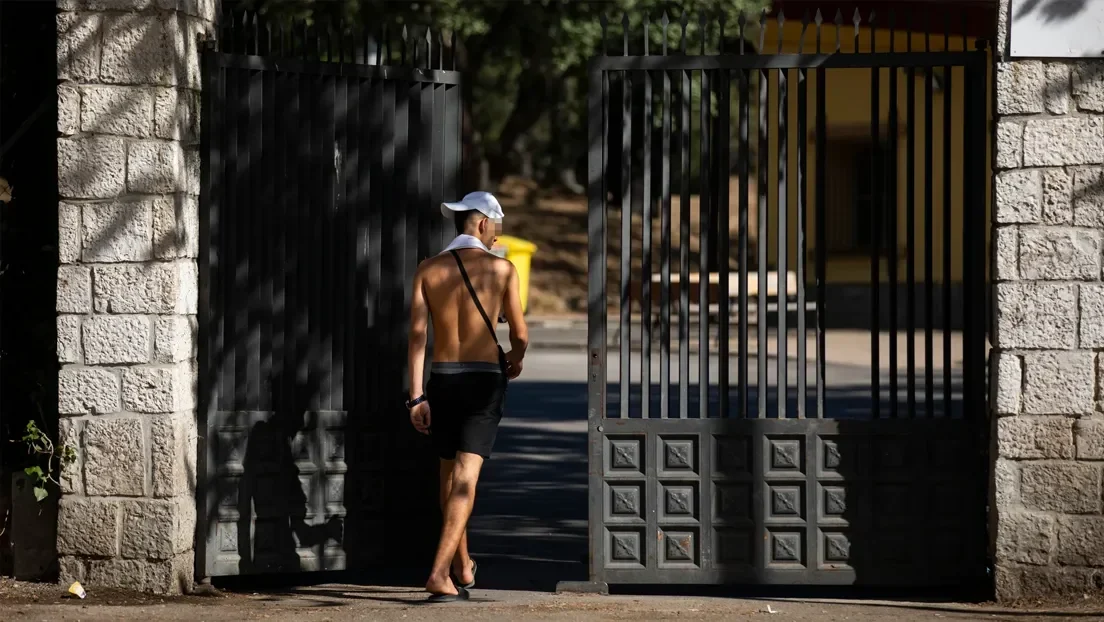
[475, 569]
[462, 594]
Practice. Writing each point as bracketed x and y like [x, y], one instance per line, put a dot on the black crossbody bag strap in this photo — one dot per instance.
[479, 306]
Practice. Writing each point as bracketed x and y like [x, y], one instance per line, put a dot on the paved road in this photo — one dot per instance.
[531, 512]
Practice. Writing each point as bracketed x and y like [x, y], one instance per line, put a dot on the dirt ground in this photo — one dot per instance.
[341, 603]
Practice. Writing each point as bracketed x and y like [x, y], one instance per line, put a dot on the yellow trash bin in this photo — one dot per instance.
[520, 253]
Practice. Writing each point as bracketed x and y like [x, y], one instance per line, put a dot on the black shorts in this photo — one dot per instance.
[465, 401]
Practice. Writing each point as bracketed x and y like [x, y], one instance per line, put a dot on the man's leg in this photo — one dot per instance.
[458, 509]
[461, 562]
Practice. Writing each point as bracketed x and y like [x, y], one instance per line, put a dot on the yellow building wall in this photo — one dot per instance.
[847, 111]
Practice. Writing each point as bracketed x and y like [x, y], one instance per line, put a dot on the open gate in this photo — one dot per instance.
[325, 158]
[719, 450]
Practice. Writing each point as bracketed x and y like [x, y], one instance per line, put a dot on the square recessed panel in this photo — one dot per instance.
[678, 547]
[786, 549]
[731, 502]
[784, 455]
[834, 504]
[731, 456]
[840, 457]
[896, 548]
[895, 504]
[624, 455]
[835, 550]
[949, 455]
[785, 502]
[678, 455]
[895, 454]
[733, 547]
[678, 501]
[625, 548]
[625, 501]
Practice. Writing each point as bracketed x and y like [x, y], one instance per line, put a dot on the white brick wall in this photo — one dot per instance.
[128, 176]
[1048, 358]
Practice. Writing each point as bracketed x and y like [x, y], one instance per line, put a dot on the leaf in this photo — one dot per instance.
[40, 493]
[35, 472]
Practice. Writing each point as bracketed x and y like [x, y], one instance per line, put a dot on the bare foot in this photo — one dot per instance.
[464, 572]
[441, 585]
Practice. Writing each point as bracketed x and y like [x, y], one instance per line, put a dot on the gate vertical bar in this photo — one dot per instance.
[782, 286]
[929, 234]
[596, 305]
[802, 222]
[875, 231]
[665, 245]
[705, 219]
[947, 302]
[724, 93]
[625, 332]
[745, 164]
[684, 244]
[646, 245]
[891, 207]
[761, 358]
[910, 238]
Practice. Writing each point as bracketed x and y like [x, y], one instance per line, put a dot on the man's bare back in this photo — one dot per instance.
[459, 332]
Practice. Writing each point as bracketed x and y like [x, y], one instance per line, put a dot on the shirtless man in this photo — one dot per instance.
[461, 289]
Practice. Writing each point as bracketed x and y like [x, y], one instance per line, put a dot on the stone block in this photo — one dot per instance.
[1036, 315]
[119, 110]
[1018, 197]
[1030, 438]
[173, 440]
[1025, 537]
[69, 339]
[119, 5]
[1062, 141]
[1048, 582]
[1021, 87]
[87, 391]
[68, 110]
[71, 569]
[1088, 86]
[142, 49]
[1059, 254]
[1010, 147]
[167, 577]
[69, 233]
[1081, 540]
[1057, 89]
[175, 338]
[176, 227]
[88, 527]
[159, 389]
[1006, 249]
[1006, 482]
[91, 167]
[74, 293]
[118, 231]
[192, 166]
[1066, 487]
[70, 476]
[155, 167]
[157, 528]
[1091, 329]
[115, 339]
[163, 288]
[78, 47]
[1008, 384]
[115, 457]
[1057, 197]
[176, 114]
[1089, 435]
[1059, 383]
[1088, 197]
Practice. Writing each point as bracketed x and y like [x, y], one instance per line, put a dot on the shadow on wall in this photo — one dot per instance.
[1051, 10]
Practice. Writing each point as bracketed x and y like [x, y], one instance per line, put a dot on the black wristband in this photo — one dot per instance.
[414, 402]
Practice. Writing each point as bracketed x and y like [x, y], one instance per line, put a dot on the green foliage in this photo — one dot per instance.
[40, 445]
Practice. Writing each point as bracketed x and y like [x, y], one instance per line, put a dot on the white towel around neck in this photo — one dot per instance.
[465, 241]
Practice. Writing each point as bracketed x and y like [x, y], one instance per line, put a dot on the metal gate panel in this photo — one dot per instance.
[760, 472]
[321, 182]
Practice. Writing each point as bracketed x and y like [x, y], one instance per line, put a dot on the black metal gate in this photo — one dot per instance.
[325, 158]
[759, 471]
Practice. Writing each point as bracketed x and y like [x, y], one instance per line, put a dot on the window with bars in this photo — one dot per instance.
[855, 189]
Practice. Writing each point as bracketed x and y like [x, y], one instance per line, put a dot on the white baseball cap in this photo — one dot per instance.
[483, 202]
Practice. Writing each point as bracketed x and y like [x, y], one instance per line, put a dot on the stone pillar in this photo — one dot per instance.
[128, 175]
[1047, 365]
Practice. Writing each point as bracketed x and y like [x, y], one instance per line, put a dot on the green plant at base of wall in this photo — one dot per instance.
[40, 445]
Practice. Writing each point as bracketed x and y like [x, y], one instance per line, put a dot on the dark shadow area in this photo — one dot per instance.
[1051, 10]
[28, 255]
